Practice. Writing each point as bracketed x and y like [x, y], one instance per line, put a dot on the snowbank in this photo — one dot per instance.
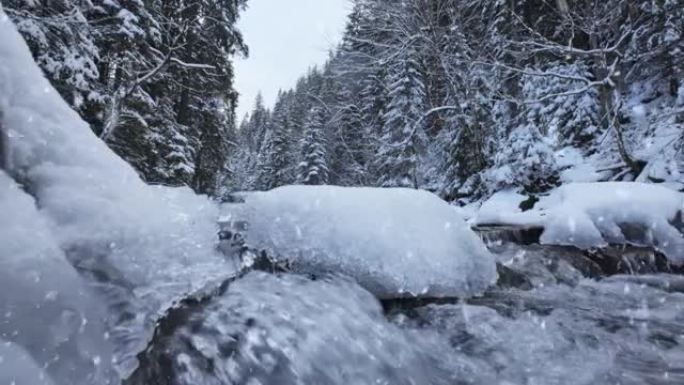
[149, 244]
[590, 215]
[394, 242]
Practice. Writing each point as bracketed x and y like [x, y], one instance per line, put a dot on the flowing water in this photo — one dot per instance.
[550, 324]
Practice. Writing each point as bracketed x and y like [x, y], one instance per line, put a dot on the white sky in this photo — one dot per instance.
[285, 38]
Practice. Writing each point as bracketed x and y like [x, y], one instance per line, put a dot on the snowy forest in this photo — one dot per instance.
[469, 192]
[467, 98]
[153, 83]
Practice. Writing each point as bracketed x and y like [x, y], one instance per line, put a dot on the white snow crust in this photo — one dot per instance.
[394, 242]
[590, 215]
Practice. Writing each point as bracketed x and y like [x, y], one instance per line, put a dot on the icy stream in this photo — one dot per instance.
[557, 328]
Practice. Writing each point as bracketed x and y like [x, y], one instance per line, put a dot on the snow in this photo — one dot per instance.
[147, 246]
[37, 283]
[394, 242]
[287, 329]
[18, 368]
[589, 215]
[501, 205]
[575, 167]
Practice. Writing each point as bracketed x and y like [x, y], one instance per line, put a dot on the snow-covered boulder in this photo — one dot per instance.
[588, 215]
[394, 242]
[285, 329]
[501, 208]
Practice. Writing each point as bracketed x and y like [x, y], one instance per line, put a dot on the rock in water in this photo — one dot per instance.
[394, 242]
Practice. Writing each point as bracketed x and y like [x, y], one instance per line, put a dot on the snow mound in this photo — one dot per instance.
[589, 215]
[144, 247]
[394, 242]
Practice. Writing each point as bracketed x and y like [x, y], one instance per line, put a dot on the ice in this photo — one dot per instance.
[144, 247]
[287, 329]
[18, 368]
[394, 242]
[594, 333]
[589, 215]
[38, 284]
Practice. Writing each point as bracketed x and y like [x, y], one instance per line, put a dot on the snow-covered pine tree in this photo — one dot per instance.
[303, 98]
[526, 161]
[556, 109]
[63, 44]
[242, 162]
[350, 146]
[508, 87]
[256, 126]
[313, 163]
[397, 158]
[262, 172]
[152, 81]
[276, 157]
[245, 157]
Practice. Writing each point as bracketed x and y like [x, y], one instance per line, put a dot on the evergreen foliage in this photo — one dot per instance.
[313, 165]
[468, 97]
[153, 78]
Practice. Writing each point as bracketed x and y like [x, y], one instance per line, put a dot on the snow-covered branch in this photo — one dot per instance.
[192, 65]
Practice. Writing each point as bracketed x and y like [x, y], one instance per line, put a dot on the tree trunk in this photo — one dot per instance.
[3, 146]
[563, 7]
[182, 113]
[610, 112]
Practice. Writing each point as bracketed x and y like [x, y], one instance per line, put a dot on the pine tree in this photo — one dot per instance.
[350, 147]
[402, 132]
[313, 165]
[252, 134]
[63, 44]
[256, 127]
[243, 160]
[566, 119]
[276, 159]
[154, 83]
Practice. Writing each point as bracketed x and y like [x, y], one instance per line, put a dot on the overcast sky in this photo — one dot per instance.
[285, 38]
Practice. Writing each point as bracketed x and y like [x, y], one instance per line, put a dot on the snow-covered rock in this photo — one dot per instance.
[589, 215]
[499, 208]
[394, 242]
[288, 329]
[150, 245]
